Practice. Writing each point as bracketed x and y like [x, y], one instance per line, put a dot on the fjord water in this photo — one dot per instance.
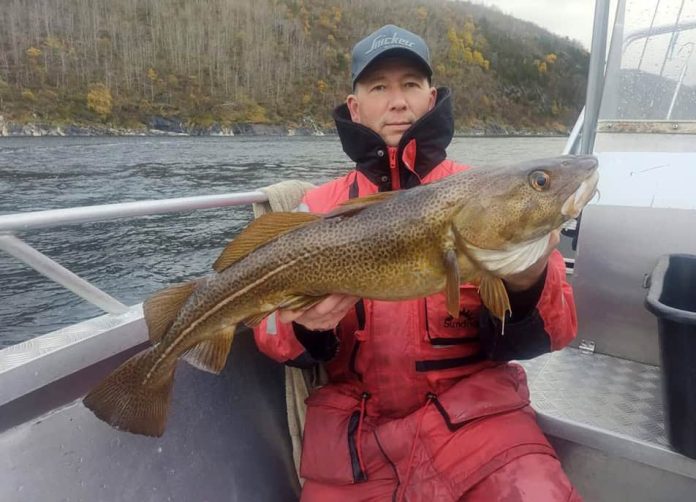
[129, 259]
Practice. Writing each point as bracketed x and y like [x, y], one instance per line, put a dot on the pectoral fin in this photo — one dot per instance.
[259, 232]
[494, 296]
[255, 320]
[292, 303]
[300, 302]
[211, 354]
[161, 308]
[452, 288]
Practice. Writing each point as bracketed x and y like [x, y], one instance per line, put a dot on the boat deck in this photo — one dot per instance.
[605, 403]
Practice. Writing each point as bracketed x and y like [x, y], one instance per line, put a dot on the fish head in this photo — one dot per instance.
[509, 212]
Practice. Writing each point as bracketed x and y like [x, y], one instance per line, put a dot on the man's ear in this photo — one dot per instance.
[353, 108]
[433, 98]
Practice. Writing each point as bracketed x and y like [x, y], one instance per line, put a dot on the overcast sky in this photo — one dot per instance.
[569, 18]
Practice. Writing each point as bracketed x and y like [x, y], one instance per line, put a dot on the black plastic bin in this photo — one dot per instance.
[672, 298]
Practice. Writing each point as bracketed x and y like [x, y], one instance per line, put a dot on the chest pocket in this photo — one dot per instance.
[443, 330]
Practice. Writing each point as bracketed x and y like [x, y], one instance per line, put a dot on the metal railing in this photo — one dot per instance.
[595, 79]
[573, 142]
[19, 222]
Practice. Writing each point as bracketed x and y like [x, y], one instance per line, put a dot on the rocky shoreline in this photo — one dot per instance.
[163, 126]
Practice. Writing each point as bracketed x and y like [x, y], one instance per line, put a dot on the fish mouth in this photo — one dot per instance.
[577, 201]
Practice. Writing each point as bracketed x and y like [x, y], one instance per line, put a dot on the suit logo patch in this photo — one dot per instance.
[466, 319]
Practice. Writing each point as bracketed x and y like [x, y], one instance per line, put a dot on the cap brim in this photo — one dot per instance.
[392, 53]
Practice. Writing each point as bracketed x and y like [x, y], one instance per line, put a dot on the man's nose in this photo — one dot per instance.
[398, 101]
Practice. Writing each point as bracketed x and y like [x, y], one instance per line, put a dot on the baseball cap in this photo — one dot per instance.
[393, 41]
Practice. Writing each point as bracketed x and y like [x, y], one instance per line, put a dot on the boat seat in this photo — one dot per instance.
[612, 408]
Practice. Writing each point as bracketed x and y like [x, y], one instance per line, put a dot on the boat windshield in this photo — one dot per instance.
[651, 69]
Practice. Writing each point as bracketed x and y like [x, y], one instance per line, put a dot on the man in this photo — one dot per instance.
[419, 406]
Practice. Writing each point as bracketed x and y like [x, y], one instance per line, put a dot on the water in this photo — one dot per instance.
[131, 259]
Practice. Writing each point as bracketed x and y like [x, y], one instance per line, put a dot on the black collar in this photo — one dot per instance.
[432, 132]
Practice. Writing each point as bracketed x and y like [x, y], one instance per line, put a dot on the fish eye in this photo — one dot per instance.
[539, 180]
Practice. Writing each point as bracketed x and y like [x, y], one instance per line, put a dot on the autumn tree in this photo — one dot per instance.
[99, 100]
[266, 60]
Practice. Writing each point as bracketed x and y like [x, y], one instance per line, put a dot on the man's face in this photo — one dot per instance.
[390, 97]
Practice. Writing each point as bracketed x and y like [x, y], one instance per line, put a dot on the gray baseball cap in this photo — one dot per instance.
[393, 41]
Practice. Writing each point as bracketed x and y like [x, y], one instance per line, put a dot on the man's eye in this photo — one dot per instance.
[379, 88]
[412, 84]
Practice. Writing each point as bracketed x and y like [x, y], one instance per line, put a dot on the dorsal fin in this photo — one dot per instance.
[161, 308]
[354, 206]
[260, 231]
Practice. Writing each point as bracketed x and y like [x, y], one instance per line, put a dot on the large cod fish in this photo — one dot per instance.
[476, 226]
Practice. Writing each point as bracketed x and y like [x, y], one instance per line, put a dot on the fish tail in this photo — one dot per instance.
[124, 401]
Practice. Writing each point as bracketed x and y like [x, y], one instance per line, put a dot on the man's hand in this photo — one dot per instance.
[324, 315]
[524, 280]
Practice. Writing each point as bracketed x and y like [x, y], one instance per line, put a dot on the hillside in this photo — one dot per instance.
[210, 64]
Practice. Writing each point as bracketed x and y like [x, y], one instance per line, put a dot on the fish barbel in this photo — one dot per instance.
[479, 226]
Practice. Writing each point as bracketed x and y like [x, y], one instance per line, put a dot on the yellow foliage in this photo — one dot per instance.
[28, 96]
[33, 52]
[550, 58]
[469, 25]
[99, 100]
[338, 14]
[468, 55]
[152, 74]
[322, 86]
[422, 13]
[54, 43]
[452, 37]
[306, 99]
[468, 39]
[542, 67]
[461, 48]
[256, 114]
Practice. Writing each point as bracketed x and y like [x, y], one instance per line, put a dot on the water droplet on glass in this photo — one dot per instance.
[159, 449]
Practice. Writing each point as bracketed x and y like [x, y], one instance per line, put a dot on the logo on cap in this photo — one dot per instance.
[383, 40]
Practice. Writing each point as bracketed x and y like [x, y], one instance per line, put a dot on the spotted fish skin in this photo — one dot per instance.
[404, 245]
